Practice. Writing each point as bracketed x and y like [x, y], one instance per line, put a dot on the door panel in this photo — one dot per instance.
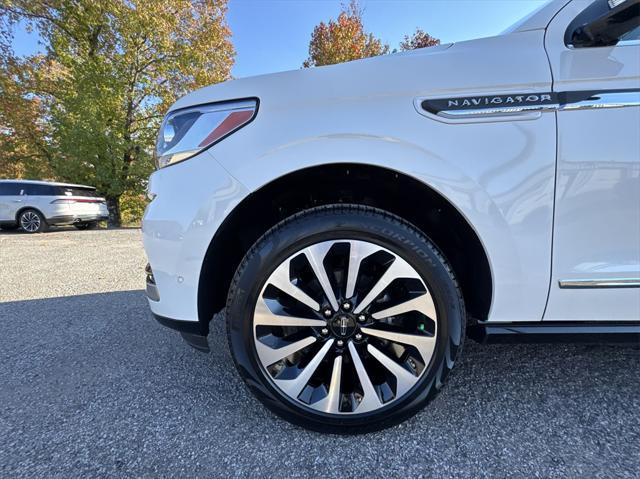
[596, 241]
[11, 200]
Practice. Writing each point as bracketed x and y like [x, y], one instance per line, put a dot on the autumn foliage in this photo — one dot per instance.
[343, 40]
[419, 39]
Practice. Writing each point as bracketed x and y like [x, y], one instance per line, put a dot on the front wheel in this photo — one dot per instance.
[32, 221]
[345, 319]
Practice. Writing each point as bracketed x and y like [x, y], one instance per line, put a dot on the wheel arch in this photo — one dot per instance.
[25, 208]
[369, 185]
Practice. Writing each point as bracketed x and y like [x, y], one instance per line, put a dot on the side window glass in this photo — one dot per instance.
[39, 190]
[10, 189]
[29, 189]
[4, 189]
[605, 23]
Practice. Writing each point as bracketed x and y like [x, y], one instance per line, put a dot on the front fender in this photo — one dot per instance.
[496, 219]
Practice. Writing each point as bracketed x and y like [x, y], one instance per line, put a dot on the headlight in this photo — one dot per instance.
[186, 132]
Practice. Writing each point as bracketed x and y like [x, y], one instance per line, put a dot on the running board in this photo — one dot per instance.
[542, 332]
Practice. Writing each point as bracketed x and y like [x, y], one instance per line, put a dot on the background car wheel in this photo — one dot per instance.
[344, 319]
[89, 225]
[32, 221]
[10, 227]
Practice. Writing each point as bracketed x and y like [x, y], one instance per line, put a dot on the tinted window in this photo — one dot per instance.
[600, 25]
[9, 189]
[75, 191]
[38, 190]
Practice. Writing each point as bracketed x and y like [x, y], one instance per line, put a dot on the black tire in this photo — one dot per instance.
[89, 225]
[32, 221]
[340, 222]
[9, 227]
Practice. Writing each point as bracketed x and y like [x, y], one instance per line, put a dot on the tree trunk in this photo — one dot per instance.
[113, 205]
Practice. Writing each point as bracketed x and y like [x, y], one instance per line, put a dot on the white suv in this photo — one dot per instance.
[35, 205]
[355, 222]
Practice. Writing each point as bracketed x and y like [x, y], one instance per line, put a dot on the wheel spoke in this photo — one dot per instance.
[331, 403]
[404, 379]
[358, 250]
[30, 222]
[293, 387]
[280, 279]
[316, 254]
[424, 344]
[264, 317]
[268, 355]
[370, 400]
[423, 304]
[398, 269]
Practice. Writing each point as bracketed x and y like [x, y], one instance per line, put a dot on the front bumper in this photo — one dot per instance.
[193, 332]
[190, 201]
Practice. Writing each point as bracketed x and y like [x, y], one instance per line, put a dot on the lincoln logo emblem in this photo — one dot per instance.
[344, 324]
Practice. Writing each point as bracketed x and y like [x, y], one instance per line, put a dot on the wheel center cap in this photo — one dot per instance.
[343, 325]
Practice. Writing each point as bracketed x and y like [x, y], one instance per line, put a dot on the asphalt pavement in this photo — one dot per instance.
[91, 386]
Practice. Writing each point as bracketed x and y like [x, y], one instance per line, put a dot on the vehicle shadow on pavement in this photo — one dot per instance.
[91, 385]
[63, 229]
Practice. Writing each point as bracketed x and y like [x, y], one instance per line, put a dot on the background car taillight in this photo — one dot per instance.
[68, 201]
[186, 132]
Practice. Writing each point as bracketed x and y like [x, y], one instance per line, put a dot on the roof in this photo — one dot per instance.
[38, 182]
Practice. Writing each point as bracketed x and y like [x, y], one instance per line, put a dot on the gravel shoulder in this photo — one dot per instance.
[91, 386]
[67, 262]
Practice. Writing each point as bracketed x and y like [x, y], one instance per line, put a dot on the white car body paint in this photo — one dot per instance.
[597, 225]
[499, 171]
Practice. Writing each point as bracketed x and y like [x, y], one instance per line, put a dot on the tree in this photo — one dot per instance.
[419, 39]
[23, 133]
[343, 40]
[113, 67]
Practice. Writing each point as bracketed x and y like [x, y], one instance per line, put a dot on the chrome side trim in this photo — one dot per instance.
[606, 100]
[599, 283]
[493, 111]
[489, 106]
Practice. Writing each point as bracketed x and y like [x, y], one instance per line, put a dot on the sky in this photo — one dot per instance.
[273, 35]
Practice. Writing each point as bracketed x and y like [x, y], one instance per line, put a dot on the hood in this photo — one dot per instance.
[475, 65]
[350, 78]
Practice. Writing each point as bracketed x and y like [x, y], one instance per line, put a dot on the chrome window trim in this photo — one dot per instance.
[599, 283]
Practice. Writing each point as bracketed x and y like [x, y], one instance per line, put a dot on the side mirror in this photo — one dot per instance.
[602, 23]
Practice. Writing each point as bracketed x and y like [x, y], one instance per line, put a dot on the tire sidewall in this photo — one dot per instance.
[324, 224]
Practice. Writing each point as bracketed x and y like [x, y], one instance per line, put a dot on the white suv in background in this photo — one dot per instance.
[355, 222]
[35, 205]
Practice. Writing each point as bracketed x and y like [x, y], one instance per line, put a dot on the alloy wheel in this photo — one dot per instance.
[30, 221]
[345, 327]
